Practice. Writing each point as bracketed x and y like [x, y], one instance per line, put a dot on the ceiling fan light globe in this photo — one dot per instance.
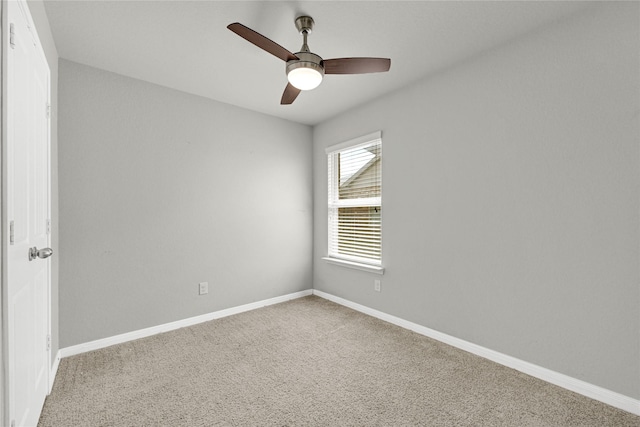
[306, 72]
[304, 78]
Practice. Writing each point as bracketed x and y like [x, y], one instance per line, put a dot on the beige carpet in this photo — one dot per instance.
[307, 362]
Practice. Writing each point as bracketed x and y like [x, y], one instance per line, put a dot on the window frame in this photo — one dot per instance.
[335, 203]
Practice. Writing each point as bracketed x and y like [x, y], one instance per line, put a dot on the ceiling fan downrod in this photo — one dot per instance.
[304, 25]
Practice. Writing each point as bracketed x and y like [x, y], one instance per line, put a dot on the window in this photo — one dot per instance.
[355, 202]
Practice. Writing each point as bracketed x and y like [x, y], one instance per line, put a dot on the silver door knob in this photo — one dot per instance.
[39, 253]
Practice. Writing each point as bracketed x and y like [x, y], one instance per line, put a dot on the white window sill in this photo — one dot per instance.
[356, 265]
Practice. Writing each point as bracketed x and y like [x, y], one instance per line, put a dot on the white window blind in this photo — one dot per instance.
[355, 200]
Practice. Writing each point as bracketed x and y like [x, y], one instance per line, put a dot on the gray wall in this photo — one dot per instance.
[38, 13]
[511, 198]
[160, 190]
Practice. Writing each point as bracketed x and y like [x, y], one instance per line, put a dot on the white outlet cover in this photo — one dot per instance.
[204, 288]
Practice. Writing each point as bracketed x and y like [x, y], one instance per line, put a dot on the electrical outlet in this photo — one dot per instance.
[376, 285]
[204, 288]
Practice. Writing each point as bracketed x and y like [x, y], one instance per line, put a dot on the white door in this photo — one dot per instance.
[28, 207]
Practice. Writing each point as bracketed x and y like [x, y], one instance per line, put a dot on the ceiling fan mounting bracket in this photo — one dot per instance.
[304, 24]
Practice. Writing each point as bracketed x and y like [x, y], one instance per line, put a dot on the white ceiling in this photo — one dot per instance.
[185, 45]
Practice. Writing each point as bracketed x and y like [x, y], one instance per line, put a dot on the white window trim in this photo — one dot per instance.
[345, 262]
[355, 142]
[355, 265]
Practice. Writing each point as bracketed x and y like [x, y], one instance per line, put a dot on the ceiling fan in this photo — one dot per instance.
[305, 69]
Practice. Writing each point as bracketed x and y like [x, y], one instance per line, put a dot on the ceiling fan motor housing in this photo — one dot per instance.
[307, 60]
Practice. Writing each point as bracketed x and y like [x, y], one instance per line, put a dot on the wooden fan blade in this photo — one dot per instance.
[290, 94]
[261, 41]
[356, 65]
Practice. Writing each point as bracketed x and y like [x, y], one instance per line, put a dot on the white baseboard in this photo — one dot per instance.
[54, 371]
[595, 392]
[142, 333]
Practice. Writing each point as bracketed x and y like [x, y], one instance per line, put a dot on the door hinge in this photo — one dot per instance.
[48, 110]
[48, 342]
[12, 36]
[48, 226]
[11, 233]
